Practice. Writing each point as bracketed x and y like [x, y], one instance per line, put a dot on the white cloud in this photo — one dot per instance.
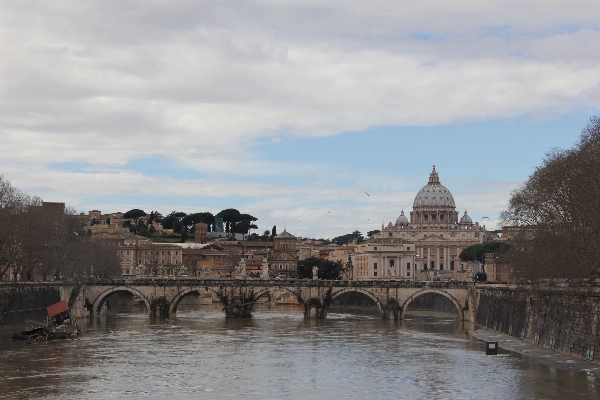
[203, 83]
[156, 79]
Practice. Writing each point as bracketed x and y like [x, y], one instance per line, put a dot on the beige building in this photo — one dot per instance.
[437, 233]
[144, 257]
[284, 259]
[384, 258]
[201, 232]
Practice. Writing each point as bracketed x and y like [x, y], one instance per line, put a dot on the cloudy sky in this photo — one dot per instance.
[291, 111]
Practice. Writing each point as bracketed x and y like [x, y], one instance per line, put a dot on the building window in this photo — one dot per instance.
[407, 273]
[453, 250]
[432, 250]
[375, 273]
[375, 248]
[127, 271]
[127, 252]
[391, 263]
[390, 234]
[163, 253]
[451, 265]
[408, 266]
[408, 248]
[374, 265]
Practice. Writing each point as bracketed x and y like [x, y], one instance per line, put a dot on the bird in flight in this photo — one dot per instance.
[367, 194]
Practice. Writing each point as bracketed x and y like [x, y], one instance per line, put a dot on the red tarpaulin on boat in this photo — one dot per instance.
[57, 308]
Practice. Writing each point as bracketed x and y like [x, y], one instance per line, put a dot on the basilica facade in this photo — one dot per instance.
[437, 233]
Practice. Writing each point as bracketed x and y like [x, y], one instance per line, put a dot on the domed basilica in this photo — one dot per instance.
[436, 231]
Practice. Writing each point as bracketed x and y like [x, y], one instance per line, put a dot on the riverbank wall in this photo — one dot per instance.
[564, 320]
[20, 301]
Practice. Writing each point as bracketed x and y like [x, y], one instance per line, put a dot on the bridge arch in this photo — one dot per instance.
[459, 308]
[370, 295]
[180, 295]
[98, 302]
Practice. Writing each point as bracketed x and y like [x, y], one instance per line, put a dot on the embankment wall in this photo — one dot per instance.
[566, 320]
[22, 301]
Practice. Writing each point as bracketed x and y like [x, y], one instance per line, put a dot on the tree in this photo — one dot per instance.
[481, 277]
[371, 233]
[246, 223]
[173, 221]
[37, 242]
[477, 252]
[273, 232]
[327, 268]
[555, 214]
[355, 236]
[190, 220]
[134, 214]
[230, 216]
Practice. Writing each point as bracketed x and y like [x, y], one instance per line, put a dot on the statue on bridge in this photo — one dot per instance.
[140, 270]
[240, 269]
[182, 270]
[264, 272]
[315, 272]
[206, 271]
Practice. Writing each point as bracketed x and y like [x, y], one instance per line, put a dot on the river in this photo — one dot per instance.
[276, 355]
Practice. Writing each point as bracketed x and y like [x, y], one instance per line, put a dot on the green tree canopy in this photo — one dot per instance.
[173, 221]
[134, 214]
[327, 268]
[349, 238]
[191, 220]
[230, 217]
[477, 252]
[371, 233]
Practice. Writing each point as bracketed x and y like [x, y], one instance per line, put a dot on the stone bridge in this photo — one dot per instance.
[238, 296]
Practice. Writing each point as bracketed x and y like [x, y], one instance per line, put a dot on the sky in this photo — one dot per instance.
[321, 117]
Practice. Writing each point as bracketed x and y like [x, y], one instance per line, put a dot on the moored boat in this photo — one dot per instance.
[59, 325]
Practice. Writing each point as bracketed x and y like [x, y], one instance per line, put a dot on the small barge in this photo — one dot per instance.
[59, 325]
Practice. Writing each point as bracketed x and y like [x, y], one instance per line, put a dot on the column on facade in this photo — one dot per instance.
[445, 253]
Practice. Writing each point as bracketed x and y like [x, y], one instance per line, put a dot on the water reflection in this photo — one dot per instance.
[277, 354]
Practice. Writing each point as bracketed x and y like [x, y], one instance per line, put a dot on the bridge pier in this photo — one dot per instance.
[315, 309]
[159, 307]
[238, 310]
[392, 310]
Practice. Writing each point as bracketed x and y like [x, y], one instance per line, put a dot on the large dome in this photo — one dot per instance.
[434, 194]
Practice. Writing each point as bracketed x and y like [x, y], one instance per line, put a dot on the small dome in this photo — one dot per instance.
[285, 234]
[402, 220]
[466, 219]
[434, 194]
